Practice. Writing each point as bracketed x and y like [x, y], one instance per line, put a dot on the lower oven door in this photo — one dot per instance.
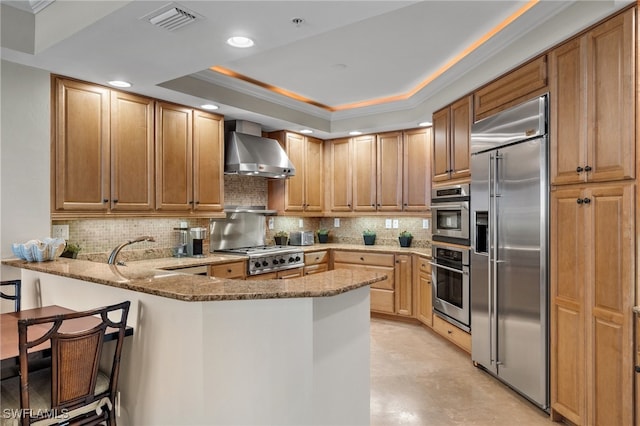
[451, 294]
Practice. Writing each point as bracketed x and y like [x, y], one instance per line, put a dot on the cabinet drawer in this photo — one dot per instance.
[423, 265]
[316, 257]
[363, 258]
[267, 276]
[382, 300]
[452, 333]
[314, 269]
[228, 270]
[289, 273]
[387, 284]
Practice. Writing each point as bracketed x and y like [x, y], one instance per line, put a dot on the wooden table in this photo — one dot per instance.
[9, 329]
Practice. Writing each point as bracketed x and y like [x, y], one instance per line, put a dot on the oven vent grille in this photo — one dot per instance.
[171, 17]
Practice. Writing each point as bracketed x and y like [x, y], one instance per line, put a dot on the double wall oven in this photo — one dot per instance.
[450, 254]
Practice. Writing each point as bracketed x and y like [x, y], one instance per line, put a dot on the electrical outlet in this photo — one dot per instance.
[395, 224]
[336, 222]
[387, 223]
[271, 223]
[60, 231]
[300, 223]
[425, 223]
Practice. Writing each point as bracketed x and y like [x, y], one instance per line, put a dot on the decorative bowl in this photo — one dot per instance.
[39, 250]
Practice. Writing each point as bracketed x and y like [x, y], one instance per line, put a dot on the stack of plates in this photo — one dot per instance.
[39, 250]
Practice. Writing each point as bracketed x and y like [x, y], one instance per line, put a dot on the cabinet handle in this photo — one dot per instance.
[115, 201]
[587, 168]
[579, 169]
[579, 201]
[373, 205]
[190, 202]
[349, 205]
[105, 200]
[378, 204]
[587, 200]
[197, 202]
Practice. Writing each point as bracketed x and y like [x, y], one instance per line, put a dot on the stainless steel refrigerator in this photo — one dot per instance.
[509, 240]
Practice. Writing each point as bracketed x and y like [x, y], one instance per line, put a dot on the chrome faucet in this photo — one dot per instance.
[114, 253]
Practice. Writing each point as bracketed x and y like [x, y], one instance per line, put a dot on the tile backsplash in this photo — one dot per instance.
[97, 237]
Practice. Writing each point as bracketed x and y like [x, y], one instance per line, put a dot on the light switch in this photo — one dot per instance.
[387, 223]
[60, 231]
[271, 223]
[300, 223]
[336, 222]
[395, 224]
[425, 223]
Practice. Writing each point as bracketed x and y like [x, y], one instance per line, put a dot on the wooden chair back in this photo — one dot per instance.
[15, 295]
[75, 358]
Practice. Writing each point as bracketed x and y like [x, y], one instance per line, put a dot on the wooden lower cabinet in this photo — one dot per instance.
[423, 290]
[383, 298]
[278, 275]
[592, 295]
[404, 279]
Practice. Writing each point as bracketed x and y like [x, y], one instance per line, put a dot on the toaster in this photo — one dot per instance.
[301, 238]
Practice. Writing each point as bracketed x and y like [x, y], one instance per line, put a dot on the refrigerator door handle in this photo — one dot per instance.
[494, 266]
[490, 260]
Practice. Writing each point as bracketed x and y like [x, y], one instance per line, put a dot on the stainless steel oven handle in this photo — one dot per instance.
[437, 265]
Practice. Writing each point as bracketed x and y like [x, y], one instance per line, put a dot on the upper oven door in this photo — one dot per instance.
[451, 219]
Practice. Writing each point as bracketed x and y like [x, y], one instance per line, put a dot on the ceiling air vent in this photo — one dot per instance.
[171, 17]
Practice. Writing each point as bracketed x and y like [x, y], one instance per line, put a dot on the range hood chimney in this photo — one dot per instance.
[248, 153]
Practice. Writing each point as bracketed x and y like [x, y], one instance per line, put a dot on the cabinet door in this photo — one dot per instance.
[364, 173]
[313, 188]
[403, 291]
[460, 138]
[567, 65]
[174, 157]
[416, 182]
[82, 138]
[340, 178]
[610, 95]
[424, 291]
[611, 290]
[389, 171]
[568, 274]
[441, 136]
[208, 162]
[294, 186]
[132, 152]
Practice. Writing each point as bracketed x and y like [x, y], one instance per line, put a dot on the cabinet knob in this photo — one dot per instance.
[587, 200]
[579, 169]
[579, 201]
[197, 202]
[105, 200]
[362, 258]
[373, 205]
[190, 202]
[349, 205]
[115, 201]
[587, 168]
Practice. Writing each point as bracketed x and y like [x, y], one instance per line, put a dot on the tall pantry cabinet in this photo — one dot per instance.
[592, 253]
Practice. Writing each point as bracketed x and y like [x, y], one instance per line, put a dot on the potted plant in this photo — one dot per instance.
[405, 238]
[281, 238]
[369, 237]
[71, 250]
[323, 235]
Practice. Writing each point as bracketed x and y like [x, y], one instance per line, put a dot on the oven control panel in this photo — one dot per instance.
[275, 262]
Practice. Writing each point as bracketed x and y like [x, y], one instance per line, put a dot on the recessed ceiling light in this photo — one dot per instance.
[210, 107]
[355, 133]
[119, 83]
[424, 124]
[240, 41]
[306, 131]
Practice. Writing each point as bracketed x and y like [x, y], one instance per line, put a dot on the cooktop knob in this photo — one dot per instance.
[275, 261]
[291, 259]
[297, 258]
[281, 260]
[257, 264]
[265, 263]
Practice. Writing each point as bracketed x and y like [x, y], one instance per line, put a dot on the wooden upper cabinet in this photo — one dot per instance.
[132, 152]
[416, 181]
[592, 105]
[389, 171]
[515, 87]
[81, 147]
[208, 161]
[364, 173]
[174, 165]
[303, 192]
[340, 160]
[451, 141]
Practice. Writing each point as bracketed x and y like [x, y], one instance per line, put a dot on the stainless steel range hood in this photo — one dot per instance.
[248, 153]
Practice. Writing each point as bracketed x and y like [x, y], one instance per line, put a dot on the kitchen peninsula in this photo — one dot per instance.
[215, 351]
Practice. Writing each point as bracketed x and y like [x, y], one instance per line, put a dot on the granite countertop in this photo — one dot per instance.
[199, 288]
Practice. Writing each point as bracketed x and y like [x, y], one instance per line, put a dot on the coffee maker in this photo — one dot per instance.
[195, 240]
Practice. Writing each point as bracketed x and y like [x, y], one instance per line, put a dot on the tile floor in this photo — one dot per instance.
[418, 378]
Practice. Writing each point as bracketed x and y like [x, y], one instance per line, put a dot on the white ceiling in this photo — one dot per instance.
[344, 52]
